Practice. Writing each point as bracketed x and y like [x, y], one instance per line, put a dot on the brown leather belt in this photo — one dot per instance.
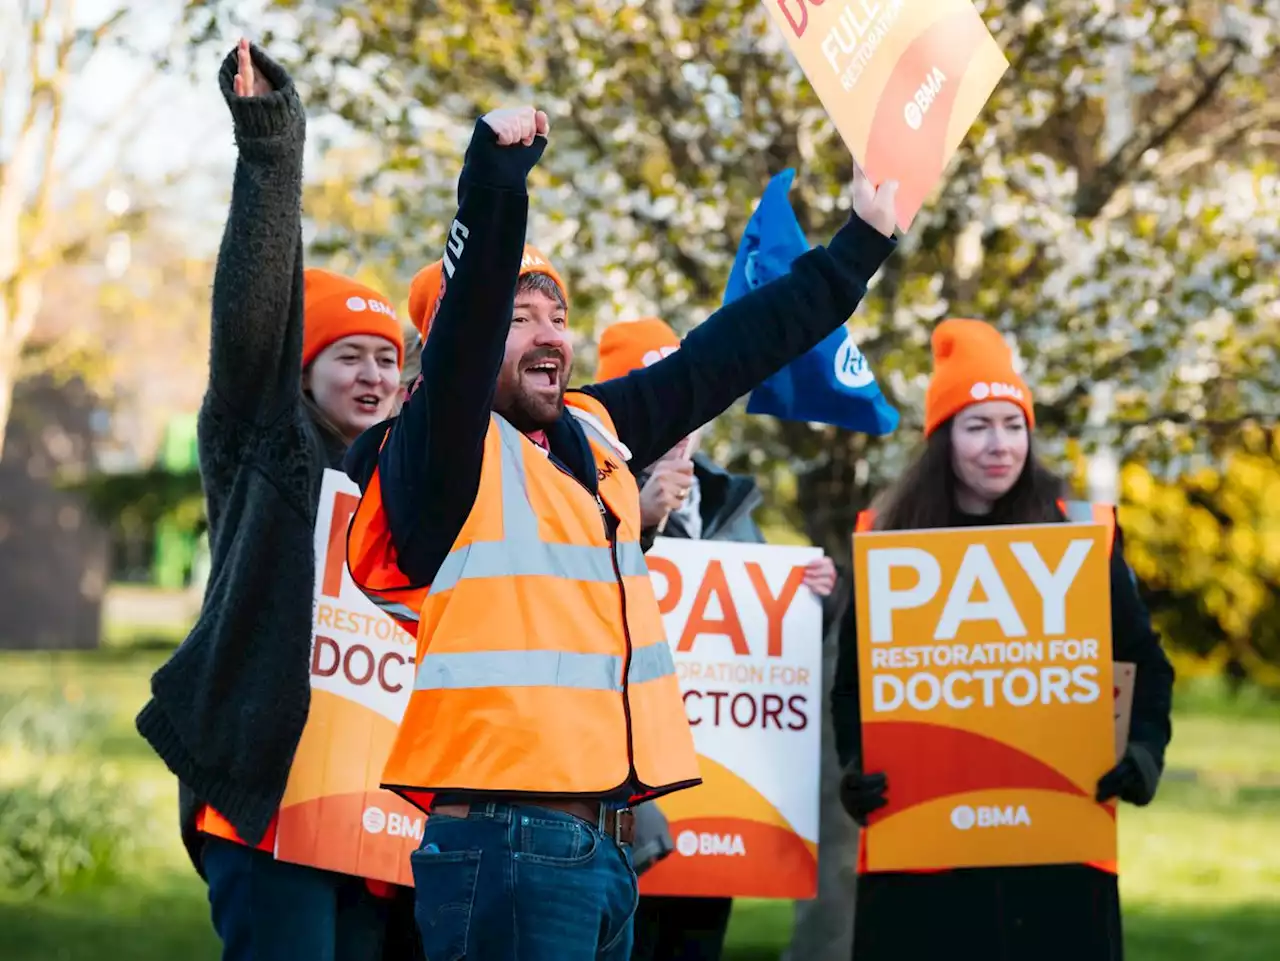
[617, 824]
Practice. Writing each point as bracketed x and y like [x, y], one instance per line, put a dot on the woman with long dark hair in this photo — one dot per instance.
[978, 468]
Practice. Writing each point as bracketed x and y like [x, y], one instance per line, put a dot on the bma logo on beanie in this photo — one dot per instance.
[995, 391]
[359, 304]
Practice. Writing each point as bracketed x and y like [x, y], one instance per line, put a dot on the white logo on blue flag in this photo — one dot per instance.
[852, 368]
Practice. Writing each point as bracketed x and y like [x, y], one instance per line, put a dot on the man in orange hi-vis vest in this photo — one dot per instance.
[545, 700]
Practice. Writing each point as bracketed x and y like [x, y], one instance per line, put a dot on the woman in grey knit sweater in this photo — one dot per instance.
[301, 363]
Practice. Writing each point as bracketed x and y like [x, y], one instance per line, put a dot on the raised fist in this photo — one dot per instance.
[875, 205]
[665, 490]
[249, 82]
[515, 125]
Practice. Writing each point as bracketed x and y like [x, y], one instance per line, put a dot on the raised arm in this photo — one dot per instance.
[430, 463]
[256, 343]
[746, 341]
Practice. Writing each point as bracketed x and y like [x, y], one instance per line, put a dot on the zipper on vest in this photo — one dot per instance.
[626, 633]
[633, 779]
[604, 522]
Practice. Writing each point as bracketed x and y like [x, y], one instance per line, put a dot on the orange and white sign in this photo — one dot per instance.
[902, 80]
[747, 642]
[986, 690]
[334, 815]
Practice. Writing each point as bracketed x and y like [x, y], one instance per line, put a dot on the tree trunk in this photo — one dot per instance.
[54, 557]
[8, 376]
[19, 307]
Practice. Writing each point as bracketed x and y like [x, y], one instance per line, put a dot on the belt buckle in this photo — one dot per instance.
[624, 821]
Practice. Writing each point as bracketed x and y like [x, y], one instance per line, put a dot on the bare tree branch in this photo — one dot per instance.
[16, 172]
[1151, 133]
[56, 85]
[1057, 413]
[1256, 122]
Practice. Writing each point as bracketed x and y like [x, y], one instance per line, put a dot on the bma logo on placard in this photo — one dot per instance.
[918, 106]
[964, 817]
[690, 843]
[375, 821]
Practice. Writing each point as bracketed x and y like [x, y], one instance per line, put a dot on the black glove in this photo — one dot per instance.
[862, 793]
[1134, 779]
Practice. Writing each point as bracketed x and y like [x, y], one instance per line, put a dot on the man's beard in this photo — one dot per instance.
[528, 412]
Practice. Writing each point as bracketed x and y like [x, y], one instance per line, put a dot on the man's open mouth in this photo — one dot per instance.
[545, 373]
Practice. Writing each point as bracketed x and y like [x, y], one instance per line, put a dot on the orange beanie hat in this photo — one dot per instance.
[634, 344]
[428, 284]
[334, 307]
[971, 364]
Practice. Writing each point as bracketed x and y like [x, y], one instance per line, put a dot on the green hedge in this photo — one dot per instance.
[65, 822]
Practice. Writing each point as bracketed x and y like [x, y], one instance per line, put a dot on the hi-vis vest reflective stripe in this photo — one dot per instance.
[398, 611]
[1076, 512]
[542, 665]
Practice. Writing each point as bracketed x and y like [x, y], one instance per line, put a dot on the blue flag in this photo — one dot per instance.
[832, 383]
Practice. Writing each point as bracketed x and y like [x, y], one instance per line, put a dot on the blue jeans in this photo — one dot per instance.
[268, 910]
[522, 883]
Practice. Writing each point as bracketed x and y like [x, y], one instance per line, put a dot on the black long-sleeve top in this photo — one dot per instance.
[430, 463]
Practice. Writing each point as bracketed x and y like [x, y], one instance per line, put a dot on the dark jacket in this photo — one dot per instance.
[1009, 914]
[227, 709]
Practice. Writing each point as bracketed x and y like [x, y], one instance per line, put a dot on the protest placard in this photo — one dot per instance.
[985, 676]
[1125, 675]
[334, 815]
[747, 642]
[902, 80]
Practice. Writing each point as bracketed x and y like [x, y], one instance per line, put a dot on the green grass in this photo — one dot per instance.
[1200, 869]
[157, 918]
